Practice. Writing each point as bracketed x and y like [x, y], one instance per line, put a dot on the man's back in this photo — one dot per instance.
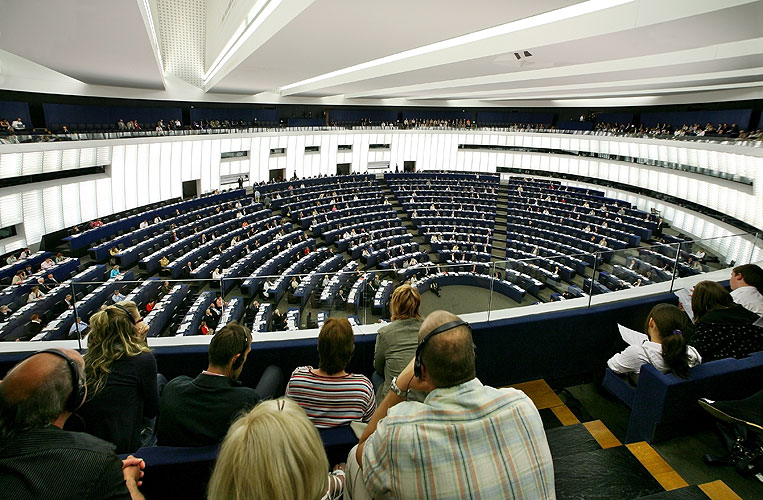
[54, 464]
[460, 441]
[198, 412]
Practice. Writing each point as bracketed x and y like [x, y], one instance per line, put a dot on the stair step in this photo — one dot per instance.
[685, 493]
[601, 474]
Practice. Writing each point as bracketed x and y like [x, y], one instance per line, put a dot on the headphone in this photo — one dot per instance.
[440, 329]
[129, 315]
[240, 360]
[77, 396]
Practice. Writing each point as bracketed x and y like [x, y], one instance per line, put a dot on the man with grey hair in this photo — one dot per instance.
[38, 459]
[463, 441]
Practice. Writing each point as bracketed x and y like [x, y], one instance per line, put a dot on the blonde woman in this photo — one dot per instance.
[121, 377]
[396, 343]
[274, 452]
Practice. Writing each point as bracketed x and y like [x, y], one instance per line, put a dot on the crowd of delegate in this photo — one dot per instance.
[119, 403]
[424, 383]
[554, 234]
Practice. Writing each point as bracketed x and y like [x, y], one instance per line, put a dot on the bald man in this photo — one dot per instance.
[465, 440]
[40, 460]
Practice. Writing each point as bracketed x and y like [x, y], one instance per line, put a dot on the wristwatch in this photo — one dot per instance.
[394, 388]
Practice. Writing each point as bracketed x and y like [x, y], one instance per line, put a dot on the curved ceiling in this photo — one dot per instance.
[424, 53]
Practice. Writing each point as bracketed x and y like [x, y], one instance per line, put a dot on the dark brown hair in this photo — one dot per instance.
[752, 274]
[232, 339]
[709, 296]
[336, 344]
[672, 325]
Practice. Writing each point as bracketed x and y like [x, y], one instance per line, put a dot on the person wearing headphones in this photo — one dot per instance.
[123, 384]
[198, 411]
[38, 459]
[463, 441]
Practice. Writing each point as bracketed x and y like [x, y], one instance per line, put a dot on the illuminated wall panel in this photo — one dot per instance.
[146, 170]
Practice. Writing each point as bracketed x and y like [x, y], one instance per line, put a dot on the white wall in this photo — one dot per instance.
[147, 170]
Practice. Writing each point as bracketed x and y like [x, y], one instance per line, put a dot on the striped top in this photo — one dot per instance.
[332, 401]
[464, 442]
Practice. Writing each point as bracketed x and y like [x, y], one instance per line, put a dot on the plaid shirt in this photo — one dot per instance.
[464, 442]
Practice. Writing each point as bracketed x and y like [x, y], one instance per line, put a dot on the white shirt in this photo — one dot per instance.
[631, 359]
[750, 298]
[18, 125]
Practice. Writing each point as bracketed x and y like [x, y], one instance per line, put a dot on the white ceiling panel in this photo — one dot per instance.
[104, 42]
[398, 52]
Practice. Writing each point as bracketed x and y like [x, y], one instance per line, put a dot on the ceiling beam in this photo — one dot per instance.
[580, 21]
[716, 52]
[272, 16]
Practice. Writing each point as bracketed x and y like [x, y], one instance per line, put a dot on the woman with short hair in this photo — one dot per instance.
[396, 342]
[274, 453]
[121, 377]
[331, 396]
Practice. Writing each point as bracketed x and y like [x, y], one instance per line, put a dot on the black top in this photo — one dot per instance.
[198, 412]
[53, 464]
[727, 333]
[115, 414]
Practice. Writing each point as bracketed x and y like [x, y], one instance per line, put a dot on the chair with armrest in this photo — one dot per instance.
[664, 405]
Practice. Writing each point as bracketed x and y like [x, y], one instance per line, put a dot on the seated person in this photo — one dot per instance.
[79, 327]
[198, 411]
[340, 300]
[164, 289]
[747, 287]
[38, 459]
[204, 329]
[5, 313]
[123, 391]
[164, 261]
[217, 274]
[279, 320]
[267, 287]
[117, 296]
[32, 328]
[465, 440]
[35, 294]
[329, 395]
[114, 272]
[274, 432]
[150, 305]
[722, 328]
[252, 309]
[666, 348]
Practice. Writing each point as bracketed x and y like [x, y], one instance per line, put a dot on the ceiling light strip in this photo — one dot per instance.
[627, 93]
[553, 16]
[152, 29]
[259, 13]
[686, 78]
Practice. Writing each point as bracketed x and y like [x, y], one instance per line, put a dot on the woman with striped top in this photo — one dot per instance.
[329, 395]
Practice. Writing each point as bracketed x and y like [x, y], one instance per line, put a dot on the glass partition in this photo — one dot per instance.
[300, 294]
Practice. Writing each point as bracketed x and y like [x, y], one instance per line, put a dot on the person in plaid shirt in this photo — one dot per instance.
[465, 440]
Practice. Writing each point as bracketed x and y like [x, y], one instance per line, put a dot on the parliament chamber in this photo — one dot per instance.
[546, 220]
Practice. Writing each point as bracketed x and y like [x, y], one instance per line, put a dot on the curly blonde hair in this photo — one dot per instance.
[113, 335]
